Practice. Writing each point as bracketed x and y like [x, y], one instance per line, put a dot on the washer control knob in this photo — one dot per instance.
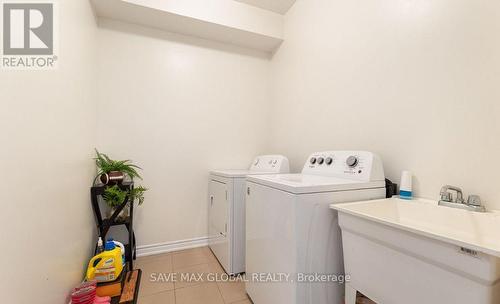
[328, 161]
[313, 160]
[352, 161]
[321, 160]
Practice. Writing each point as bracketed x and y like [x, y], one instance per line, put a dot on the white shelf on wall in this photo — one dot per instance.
[225, 21]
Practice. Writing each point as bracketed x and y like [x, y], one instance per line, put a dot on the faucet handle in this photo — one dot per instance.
[446, 196]
[474, 200]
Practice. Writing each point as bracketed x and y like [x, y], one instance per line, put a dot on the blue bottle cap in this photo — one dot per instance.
[110, 245]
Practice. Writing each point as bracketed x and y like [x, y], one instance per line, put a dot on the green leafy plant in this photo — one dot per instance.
[137, 194]
[106, 165]
[114, 196]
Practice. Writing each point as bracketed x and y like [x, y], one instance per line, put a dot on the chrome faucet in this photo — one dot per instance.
[447, 196]
[473, 202]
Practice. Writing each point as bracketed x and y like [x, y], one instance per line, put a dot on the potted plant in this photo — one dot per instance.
[137, 194]
[114, 197]
[114, 171]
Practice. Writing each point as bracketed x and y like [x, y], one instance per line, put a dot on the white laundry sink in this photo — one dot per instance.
[399, 251]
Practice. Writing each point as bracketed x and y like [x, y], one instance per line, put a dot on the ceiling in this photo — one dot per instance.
[278, 6]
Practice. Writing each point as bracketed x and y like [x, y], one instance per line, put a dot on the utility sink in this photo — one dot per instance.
[414, 251]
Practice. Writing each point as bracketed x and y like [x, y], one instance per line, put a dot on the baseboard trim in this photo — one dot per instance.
[159, 248]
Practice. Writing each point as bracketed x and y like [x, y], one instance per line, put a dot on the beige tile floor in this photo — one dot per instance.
[159, 287]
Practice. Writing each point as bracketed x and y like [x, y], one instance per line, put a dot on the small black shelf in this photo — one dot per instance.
[117, 222]
[103, 224]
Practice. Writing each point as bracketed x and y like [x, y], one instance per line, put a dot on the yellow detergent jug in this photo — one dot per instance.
[107, 265]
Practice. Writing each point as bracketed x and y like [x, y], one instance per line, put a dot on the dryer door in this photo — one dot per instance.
[218, 220]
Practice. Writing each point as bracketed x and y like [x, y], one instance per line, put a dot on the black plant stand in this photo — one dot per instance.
[103, 225]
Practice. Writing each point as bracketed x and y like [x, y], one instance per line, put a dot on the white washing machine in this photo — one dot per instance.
[290, 230]
[226, 211]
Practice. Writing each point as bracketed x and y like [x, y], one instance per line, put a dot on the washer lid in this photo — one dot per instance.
[235, 173]
[306, 183]
[263, 164]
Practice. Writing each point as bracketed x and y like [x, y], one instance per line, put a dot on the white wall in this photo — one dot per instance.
[178, 106]
[47, 134]
[415, 80]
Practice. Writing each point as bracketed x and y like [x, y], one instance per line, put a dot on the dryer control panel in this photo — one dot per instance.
[270, 164]
[359, 165]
